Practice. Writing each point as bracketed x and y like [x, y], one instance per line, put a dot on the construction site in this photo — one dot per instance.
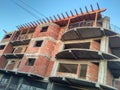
[76, 51]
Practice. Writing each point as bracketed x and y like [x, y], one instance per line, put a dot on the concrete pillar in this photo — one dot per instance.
[106, 22]
[102, 75]
[55, 68]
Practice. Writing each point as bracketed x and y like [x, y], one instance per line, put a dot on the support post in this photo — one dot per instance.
[102, 75]
[95, 22]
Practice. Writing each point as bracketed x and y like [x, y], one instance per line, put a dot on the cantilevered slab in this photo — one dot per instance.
[84, 54]
[114, 67]
[114, 43]
[80, 83]
[13, 55]
[21, 74]
[20, 42]
[80, 33]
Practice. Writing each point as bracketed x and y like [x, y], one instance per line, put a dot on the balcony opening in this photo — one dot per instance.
[38, 43]
[83, 70]
[30, 61]
[44, 29]
[2, 47]
[28, 84]
[68, 68]
[77, 45]
[7, 36]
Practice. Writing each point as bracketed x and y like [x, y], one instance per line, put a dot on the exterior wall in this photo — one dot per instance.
[3, 62]
[109, 78]
[45, 49]
[92, 72]
[40, 66]
[7, 49]
[20, 49]
[52, 31]
[12, 66]
[49, 69]
[94, 45]
[58, 47]
[8, 39]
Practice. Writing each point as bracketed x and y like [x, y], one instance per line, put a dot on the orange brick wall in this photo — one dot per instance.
[3, 62]
[49, 69]
[56, 48]
[47, 48]
[92, 72]
[8, 48]
[94, 45]
[40, 66]
[52, 31]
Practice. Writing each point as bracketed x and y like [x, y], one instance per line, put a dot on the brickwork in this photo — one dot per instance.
[94, 45]
[92, 72]
[7, 49]
[3, 62]
[40, 66]
[52, 31]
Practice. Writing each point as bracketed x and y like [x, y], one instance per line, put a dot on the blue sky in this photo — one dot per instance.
[11, 15]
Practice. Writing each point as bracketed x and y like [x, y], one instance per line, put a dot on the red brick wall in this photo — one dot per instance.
[13, 65]
[57, 48]
[49, 69]
[20, 49]
[3, 62]
[47, 48]
[92, 72]
[40, 66]
[109, 78]
[52, 31]
[62, 30]
[31, 48]
[7, 39]
[7, 49]
[94, 45]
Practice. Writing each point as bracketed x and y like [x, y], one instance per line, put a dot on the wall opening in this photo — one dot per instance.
[68, 68]
[44, 29]
[7, 36]
[2, 47]
[30, 61]
[83, 70]
[38, 43]
[77, 45]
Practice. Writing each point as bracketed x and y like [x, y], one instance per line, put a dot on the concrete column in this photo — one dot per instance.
[102, 75]
[55, 68]
[106, 22]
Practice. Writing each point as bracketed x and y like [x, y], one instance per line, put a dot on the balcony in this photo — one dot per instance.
[84, 23]
[22, 37]
[79, 83]
[81, 33]
[76, 54]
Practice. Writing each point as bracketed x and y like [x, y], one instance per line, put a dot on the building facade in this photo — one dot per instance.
[72, 52]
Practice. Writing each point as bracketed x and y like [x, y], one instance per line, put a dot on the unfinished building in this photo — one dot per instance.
[69, 52]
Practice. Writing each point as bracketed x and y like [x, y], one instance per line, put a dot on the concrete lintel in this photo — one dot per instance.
[44, 38]
[81, 41]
